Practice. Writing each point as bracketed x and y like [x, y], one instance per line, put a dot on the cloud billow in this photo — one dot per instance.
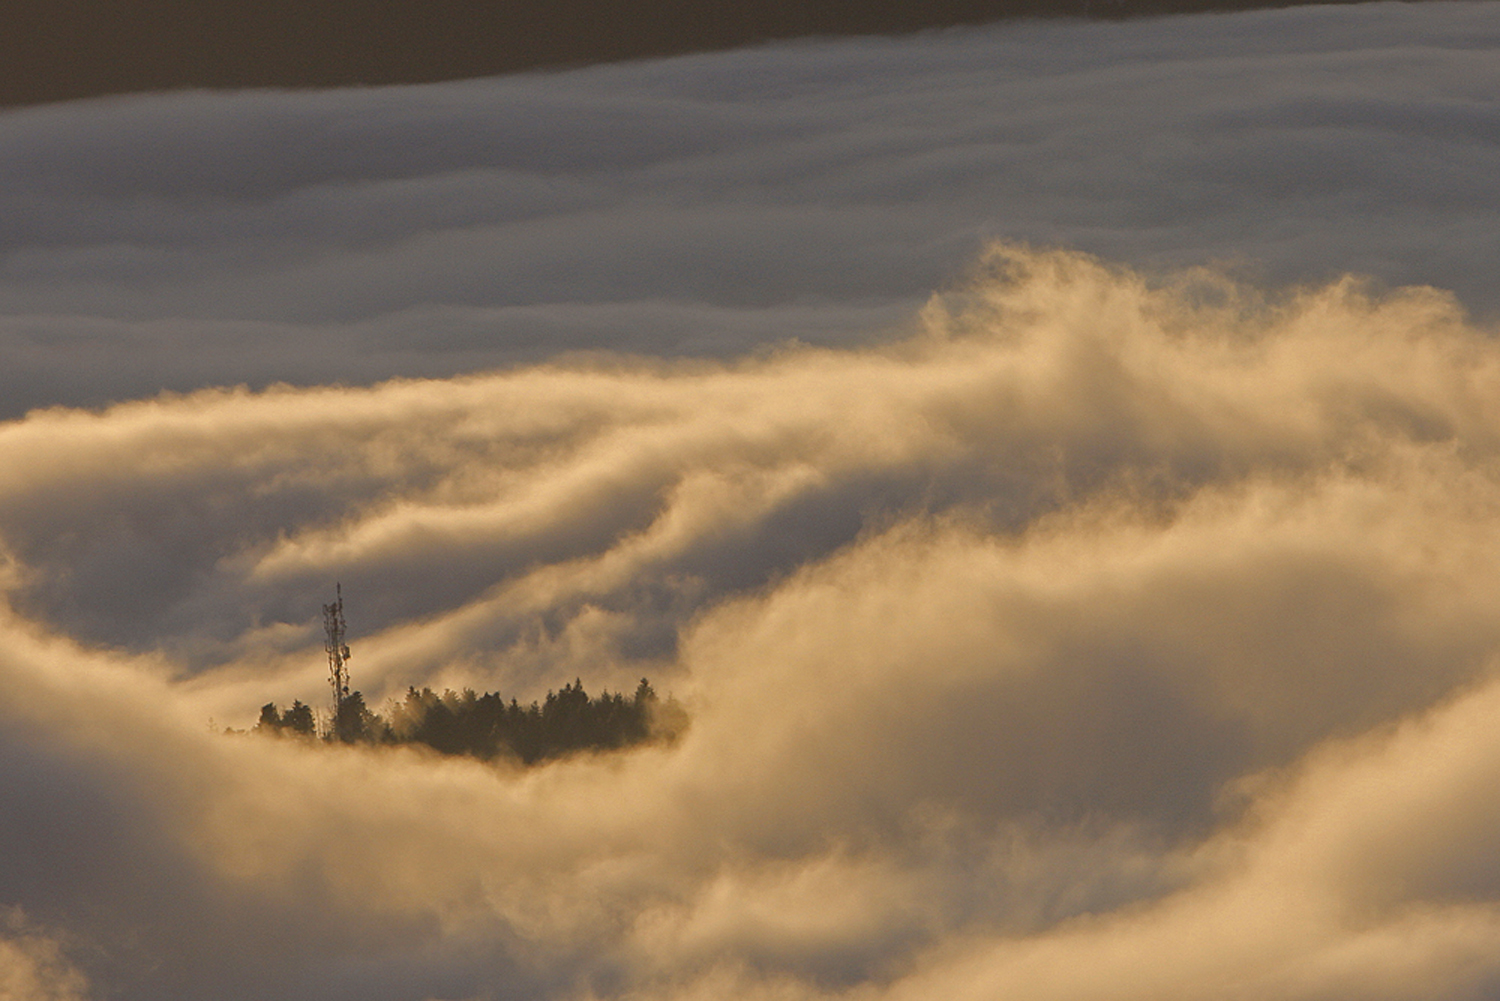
[707, 205]
[1105, 613]
[1077, 577]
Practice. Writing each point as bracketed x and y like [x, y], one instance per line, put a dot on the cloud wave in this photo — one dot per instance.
[1115, 622]
[1115, 634]
[708, 205]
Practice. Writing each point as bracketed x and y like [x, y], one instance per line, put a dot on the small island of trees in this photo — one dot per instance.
[487, 726]
[480, 726]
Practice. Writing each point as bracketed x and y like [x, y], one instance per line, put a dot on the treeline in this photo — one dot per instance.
[488, 727]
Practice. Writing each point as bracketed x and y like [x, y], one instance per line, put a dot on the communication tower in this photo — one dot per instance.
[338, 650]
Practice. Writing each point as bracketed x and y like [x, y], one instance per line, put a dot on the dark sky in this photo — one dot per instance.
[54, 50]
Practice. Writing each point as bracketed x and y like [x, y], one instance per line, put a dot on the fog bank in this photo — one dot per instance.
[1109, 636]
[708, 205]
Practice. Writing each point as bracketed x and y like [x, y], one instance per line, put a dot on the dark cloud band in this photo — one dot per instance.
[54, 50]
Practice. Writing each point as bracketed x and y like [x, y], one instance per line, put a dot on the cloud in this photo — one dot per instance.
[1051, 624]
[1115, 634]
[708, 205]
[32, 967]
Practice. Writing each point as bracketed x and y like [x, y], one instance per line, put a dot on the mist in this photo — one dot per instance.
[1066, 625]
[707, 205]
[1064, 605]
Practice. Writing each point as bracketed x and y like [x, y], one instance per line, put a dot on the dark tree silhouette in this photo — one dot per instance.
[487, 727]
[299, 719]
[354, 723]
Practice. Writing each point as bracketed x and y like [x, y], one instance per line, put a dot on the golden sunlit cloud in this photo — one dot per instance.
[1116, 621]
[1111, 635]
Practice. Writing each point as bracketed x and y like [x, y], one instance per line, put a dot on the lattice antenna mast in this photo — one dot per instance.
[338, 650]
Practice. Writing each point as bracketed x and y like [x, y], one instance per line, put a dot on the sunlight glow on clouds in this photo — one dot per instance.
[1051, 625]
[1103, 617]
[32, 966]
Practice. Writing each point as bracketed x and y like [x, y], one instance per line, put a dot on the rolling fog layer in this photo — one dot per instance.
[1100, 624]
[707, 205]
[1051, 625]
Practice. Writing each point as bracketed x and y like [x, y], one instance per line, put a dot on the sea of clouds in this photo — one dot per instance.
[1056, 466]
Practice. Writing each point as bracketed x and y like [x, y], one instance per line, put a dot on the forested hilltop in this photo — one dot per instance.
[487, 726]
[478, 726]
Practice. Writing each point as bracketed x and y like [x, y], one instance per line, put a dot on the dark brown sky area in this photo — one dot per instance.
[53, 50]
